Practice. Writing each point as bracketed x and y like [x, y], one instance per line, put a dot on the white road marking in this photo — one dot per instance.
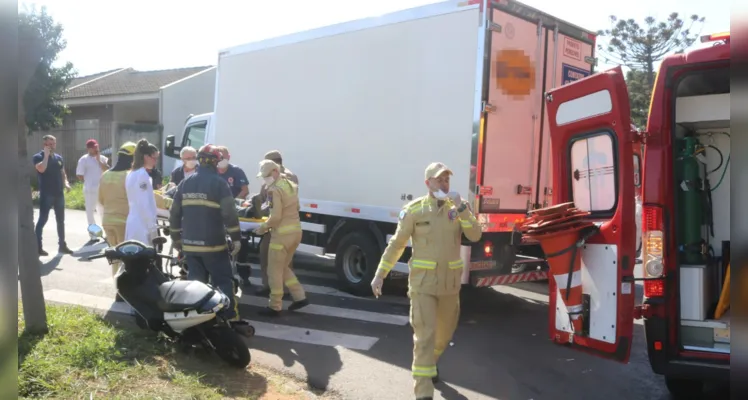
[263, 329]
[303, 272]
[336, 312]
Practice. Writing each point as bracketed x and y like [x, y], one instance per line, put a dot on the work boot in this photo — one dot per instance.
[269, 312]
[436, 378]
[263, 291]
[64, 249]
[42, 252]
[424, 398]
[296, 305]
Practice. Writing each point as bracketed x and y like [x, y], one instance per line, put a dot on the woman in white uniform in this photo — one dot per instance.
[142, 217]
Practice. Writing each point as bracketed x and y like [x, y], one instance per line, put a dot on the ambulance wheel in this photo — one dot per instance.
[356, 261]
[681, 388]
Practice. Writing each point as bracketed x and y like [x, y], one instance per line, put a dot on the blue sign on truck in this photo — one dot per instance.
[570, 74]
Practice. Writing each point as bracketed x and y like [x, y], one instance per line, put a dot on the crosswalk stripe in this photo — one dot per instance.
[336, 312]
[304, 272]
[262, 329]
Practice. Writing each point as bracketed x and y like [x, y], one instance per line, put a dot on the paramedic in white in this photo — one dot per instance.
[89, 170]
[142, 216]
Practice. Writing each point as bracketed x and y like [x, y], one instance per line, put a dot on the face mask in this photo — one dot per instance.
[268, 180]
[190, 164]
[223, 163]
[440, 195]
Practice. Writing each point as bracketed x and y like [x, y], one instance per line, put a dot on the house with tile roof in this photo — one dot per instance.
[98, 102]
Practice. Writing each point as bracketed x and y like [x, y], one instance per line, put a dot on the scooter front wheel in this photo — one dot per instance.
[229, 346]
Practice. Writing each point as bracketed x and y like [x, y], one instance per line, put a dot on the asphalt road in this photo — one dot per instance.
[362, 348]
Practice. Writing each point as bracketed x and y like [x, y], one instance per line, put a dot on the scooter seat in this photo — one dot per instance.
[183, 295]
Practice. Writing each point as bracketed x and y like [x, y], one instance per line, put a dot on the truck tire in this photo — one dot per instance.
[356, 260]
[681, 388]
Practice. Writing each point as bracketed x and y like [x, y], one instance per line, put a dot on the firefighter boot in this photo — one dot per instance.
[436, 378]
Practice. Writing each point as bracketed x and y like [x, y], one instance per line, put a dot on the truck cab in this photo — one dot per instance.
[685, 191]
[198, 130]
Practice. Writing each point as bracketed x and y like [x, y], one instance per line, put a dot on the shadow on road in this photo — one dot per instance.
[320, 362]
[502, 349]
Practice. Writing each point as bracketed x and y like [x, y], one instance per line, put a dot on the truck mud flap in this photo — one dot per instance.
[491, 278]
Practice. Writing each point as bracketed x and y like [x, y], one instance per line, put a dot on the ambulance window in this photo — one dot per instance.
[593, 173]
[637, 170]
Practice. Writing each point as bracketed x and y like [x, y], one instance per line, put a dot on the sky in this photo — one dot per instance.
[161, 34]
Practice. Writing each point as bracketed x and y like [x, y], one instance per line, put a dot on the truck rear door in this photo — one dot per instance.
[591, 142]
[512, 117]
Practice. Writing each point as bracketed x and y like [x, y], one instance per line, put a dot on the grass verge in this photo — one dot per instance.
[73, 199]
[85, 356]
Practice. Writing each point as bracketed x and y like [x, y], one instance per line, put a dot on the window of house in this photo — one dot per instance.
[85, 129]
[195, 135]
[593, 173]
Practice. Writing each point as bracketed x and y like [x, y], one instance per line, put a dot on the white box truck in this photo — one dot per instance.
[360, 108]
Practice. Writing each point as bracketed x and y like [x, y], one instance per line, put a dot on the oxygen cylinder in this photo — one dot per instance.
[690, 203]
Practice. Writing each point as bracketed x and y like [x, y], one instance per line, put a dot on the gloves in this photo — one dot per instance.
[376, 286]
[455, 197]
[237, 245]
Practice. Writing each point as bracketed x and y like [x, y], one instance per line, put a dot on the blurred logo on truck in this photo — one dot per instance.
[514, 73]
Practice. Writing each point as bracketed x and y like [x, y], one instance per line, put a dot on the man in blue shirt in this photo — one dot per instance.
[233, 175]
[52, 179]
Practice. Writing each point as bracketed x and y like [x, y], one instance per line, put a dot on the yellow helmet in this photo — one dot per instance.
[128, 149]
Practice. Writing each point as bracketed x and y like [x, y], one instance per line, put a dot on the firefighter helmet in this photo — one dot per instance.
[209, 155]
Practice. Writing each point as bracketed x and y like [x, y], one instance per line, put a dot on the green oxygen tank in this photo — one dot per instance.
[690, 203]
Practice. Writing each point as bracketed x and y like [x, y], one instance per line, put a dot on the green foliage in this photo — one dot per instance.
[641, 46]
[640, 93]
[44, 92]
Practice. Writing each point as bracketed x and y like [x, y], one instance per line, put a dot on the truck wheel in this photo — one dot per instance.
[680, 388]
[356, 261]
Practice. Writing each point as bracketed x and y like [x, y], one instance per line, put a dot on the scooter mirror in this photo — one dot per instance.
[95, 231]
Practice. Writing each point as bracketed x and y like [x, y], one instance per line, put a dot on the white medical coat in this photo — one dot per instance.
[142, 216]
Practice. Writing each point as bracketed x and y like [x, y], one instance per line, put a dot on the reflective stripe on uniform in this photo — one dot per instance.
[423, 264]
[292, 281]
[203, 249]
[457, 264]
[466, 224]
[428, 372]
[289, 228]
[232, 229]
[200, 202]
[276, 246]
[387, 266]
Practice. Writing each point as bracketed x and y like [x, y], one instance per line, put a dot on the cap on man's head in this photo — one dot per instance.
[128, 149]
[435, 169]
[91, 143]
[266, 167]
[273, 155]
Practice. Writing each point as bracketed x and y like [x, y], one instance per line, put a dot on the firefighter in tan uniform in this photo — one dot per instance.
[284, 226]
[435, 223]
[274, 156]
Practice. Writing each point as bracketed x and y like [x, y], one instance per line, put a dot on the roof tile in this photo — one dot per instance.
[127, 82]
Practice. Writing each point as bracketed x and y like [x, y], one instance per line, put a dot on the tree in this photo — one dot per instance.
[43, 96]
[639, 95]
[640, 47]
[40, 85]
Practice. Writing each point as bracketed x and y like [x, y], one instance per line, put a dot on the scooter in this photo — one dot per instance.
[189, 312]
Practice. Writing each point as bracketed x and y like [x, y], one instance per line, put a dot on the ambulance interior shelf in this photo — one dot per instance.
[702, 161]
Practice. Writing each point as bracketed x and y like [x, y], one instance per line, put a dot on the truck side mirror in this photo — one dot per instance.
[169, 149]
